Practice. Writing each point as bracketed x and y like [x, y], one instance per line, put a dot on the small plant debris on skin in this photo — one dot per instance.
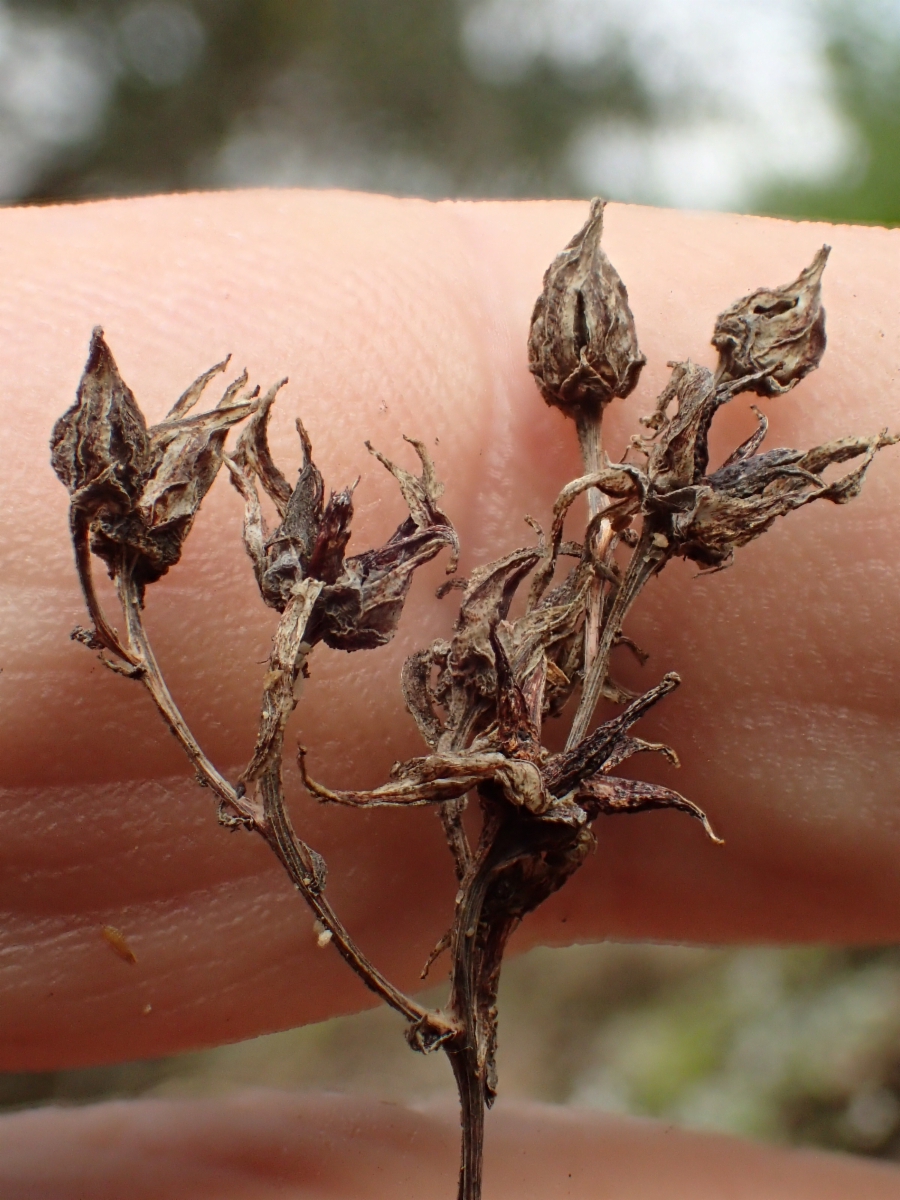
[481, 698]
[116, 941]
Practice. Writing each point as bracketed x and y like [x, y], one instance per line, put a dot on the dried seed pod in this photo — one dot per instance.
[583, 348]
[775, 336]
[101, 443]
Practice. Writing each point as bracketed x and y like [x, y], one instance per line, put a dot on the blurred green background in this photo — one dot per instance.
[783, 106]
[788, 106]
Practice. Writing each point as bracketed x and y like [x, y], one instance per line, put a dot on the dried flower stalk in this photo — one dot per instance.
[481, 698]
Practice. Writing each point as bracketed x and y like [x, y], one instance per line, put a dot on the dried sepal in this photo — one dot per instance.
[680, 454]
[520, 696]
[421, 492]
[607, 744]
[627, 747]
[774, 337]
[752, 443]
[193, 392]
[254, 527]
[253, 456]
[547, 632]
[582, 347]
[417, 782]
[442, 777]
[610, 796]
[415, 682]
[187, 454]
[466, 684]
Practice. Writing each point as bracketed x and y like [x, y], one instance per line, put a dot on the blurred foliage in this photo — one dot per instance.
[384, 94]
[870, 193]
[800, 1046]
[341, 78]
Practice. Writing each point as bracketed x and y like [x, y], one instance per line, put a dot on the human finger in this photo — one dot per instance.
[403, 317]
[264, 1145]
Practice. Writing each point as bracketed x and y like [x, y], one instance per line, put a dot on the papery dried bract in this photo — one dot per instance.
[776, 335]
[583, 348]
[680, 453]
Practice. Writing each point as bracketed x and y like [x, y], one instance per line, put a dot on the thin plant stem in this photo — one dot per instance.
[464, 1052]
[645, 562]
[147, 670]
[270, 820]
[590, 441]
[102, 628]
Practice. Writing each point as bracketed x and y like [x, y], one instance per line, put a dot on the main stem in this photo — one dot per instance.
[470, 1087]
[465, 1052]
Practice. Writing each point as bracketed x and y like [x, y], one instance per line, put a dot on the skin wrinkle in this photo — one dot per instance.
[266, 1145]
[368, 302]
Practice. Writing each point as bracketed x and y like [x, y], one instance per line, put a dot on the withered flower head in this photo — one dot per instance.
[359, 605]
[310, 540]
[101, 442]
[731, 507]
[135, 492]
[583, 347]
[774, 336]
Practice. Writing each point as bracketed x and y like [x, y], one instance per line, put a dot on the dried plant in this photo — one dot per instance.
[481, 698]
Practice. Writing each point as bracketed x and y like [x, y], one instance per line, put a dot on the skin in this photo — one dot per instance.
[397, 317]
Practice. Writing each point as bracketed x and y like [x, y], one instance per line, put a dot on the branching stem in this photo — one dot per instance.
[105, 633]
[136, 490]
[645, 561]
[268, 818]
